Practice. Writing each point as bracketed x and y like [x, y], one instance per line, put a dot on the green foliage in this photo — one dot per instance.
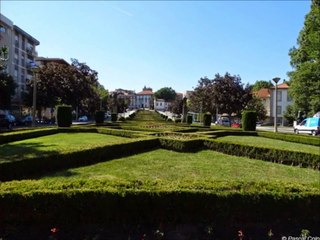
[192, 145]
[257, 104]
[7, 90]
[114, 117]
[310, 140]
[99, 117]
[166, 93]
[304, 79]
[261, 84]
[249, 120]
[266, 154]
[207, 120]
[189, 119]
[122, 119]
[223, 93]
[64, 115]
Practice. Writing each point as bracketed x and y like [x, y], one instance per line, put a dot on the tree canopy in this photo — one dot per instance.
[75, 84]
[7, 90]
[261, 84]
[166, 93]
[225, 94]
[305, 60]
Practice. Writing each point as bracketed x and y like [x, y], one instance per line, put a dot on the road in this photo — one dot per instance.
[280, 129]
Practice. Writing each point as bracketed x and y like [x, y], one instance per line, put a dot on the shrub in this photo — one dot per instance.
[122, 119]
[114, 117]
[249, 120]
[169, 120]
[189, 119]
[99, 117]
[207, 120]
[177, 120]
[64, 115]
[304, 139]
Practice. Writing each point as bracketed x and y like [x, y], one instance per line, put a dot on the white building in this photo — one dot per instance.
[283, 101]
[144, 99]
[22, 51]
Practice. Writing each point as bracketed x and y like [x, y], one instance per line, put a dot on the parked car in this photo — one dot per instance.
[7, 121]
[27, 120]
[308, 125]
[83, 119]
[224, 121]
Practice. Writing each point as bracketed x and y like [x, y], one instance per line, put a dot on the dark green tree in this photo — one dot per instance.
[166, 93]
[7, 90]
[256, 104]
[202, 98]
[305, 60]
[261, 84]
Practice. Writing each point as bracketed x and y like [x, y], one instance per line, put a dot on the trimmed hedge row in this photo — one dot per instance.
[38, 166]
[310, 140]
[224, 211]
[266, 154]
[192, 145]
[26, 134]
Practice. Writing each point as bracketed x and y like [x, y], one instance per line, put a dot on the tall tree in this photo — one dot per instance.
[166, 93]
[261, 84]
[225, 94]
[305, 60]
[7, 90]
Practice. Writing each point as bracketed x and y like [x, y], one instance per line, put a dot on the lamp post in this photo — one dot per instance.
[276, 80]
[35, 69]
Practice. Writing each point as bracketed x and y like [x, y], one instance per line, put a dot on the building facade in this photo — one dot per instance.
[283, 101]
[22, 53]
[144, 99]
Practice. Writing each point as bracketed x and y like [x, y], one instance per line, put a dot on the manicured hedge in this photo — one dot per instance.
[223, 207]
[26, 134]
[192, 145]
[249, 120]
[305, 139]
[266, 154]
[189, 119]
[114, 117]
[99, 117]
[207, 120]
[64, 115]
[38, 166]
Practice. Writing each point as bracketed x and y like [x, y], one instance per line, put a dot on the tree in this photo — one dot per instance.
[7, 90]
[202, 98]
[74, 84]
[256, 104]
[305, 60]
[261, 84]
[166, 93]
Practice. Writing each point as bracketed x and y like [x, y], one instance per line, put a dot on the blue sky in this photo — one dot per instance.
[165, 43]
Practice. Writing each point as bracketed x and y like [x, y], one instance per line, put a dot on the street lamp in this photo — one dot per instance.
[35, 70]
[276, 80]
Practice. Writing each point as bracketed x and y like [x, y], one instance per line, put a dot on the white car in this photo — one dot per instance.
[83, 119]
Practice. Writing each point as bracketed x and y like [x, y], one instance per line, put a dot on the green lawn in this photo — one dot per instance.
[54, 144]
[167, 170]
[271, 143]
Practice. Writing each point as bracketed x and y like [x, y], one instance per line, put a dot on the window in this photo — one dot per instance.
[2, 29]
[279, 96]
[16, 40]
[289, 99]
[15, 73]
[279, 110]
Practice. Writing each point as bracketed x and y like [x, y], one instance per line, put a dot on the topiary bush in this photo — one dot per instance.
[122, 119]
[99, 117]
[249, 120]
[114, 117]
[64, 115]
[207, 120]
[189, 119]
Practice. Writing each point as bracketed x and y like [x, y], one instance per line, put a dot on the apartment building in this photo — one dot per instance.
[22, 51]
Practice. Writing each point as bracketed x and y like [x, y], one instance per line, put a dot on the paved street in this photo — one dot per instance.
[280, 129]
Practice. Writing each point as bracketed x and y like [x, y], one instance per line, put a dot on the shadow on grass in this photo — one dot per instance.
[17, 152]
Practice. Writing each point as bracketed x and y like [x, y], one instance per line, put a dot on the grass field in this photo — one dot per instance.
[55, 144]
[271, 143]
[205, 170]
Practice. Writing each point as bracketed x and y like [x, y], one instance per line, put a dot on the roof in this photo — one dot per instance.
[282, 86]
[50, 60]
[145, 92]
[263, 93]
